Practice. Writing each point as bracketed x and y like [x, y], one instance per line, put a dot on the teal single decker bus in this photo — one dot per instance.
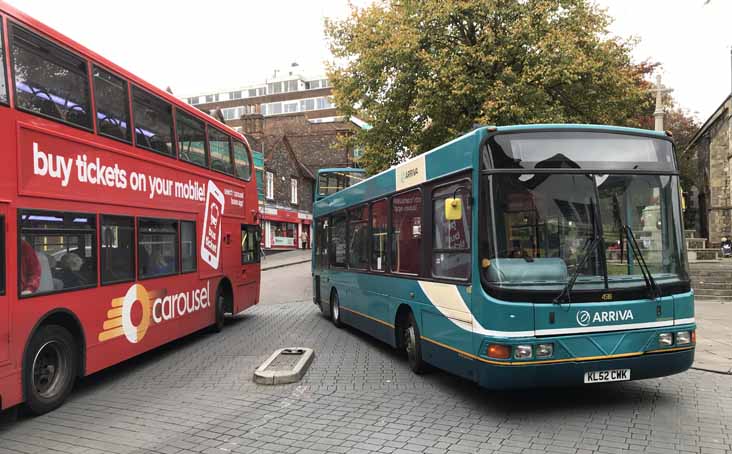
[518, 256]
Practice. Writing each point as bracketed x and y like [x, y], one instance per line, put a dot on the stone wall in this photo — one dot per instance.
[284, 166]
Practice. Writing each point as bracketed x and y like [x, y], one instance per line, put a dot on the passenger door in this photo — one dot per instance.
[4, 301]
[250, 265]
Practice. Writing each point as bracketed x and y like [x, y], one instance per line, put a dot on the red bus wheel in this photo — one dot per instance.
[49, 369]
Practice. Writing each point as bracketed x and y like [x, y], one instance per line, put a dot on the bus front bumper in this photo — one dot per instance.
[654, 365]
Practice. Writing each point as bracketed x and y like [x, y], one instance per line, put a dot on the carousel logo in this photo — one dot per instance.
[133, 314]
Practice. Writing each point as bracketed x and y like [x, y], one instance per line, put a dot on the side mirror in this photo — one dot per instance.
[453, 209]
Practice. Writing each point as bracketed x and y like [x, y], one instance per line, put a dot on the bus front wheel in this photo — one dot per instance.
[49, 369]
[335, 309]
[413, 345]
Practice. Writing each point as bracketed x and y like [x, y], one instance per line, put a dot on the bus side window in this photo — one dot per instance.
[451, 238]
[153, 119]
[49, 80]
[3, 84]
[321, 243]
[358, 238]
[113, 110]
[58, 251]
[241, 161]
[406, 232]
[220, 148]
[157, 244]
[118, 251]
[188, 246]
[338, 240]
[379, 232]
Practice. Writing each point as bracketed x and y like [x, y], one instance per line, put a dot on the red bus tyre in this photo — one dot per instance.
[335, 310]
[413, 345]
[218, 325]
[49, 370]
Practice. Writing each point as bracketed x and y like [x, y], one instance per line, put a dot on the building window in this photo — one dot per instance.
[338, 240]
[270, 185]
[291, 107]
[191, 138]
[153, 119]
[188, 246]
[307, 104]
[250, 239]
[406, 232]
[220, 151]
[274, 88]
[274, 108]
[235, 94]
[313, 84]
[230, 113]
[212, 98]
[252, 92]
[193, 101]
[118, 249]
[113, 110]
[157, 245]
[58, 251]
[358, 238]
[293, 191]
[379, 229]
[49, 81]
[283, 234]
[451, 238]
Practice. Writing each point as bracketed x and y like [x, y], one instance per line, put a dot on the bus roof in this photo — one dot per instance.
[87, 53]
[450, 158]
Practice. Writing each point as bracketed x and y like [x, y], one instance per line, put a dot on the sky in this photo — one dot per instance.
[196, 47]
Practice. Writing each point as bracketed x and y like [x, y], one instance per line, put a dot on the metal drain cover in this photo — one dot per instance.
[286, 365]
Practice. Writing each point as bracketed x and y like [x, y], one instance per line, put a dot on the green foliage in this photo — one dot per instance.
[422, 72]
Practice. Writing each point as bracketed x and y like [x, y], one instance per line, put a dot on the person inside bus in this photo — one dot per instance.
[159, 264]
[71, 264]
[30, 269]
[46, 282]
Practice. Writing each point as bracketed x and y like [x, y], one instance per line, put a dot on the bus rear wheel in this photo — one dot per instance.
[49, 369]
[220, 304]
[335, 309]
[413, 345]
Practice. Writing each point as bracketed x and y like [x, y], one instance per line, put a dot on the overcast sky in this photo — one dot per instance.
[195, 47]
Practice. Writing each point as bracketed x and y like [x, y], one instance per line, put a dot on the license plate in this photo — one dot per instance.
[604, 376]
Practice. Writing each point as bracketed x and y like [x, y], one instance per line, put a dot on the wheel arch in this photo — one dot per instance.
[68, 320]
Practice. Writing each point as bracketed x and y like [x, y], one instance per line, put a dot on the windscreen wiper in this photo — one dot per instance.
[590, 247]
[647, 276]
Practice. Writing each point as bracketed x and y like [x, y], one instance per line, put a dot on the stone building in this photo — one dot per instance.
[291, 120]
[711, 149]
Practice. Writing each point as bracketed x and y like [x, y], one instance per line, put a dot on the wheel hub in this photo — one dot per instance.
[48, 368]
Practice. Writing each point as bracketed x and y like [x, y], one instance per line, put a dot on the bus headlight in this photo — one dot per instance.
[544, 350]
[522, 352]
[683, 338]
[665, 339]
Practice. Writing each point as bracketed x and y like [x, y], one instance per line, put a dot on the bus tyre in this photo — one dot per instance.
[218, 325]
[49, 369]
[413, 345]
[335, 310]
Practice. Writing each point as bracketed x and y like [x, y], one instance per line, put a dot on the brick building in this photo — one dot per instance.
[291, 121]
[711, 148]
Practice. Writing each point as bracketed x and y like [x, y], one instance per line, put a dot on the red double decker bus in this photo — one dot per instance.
[129, 218]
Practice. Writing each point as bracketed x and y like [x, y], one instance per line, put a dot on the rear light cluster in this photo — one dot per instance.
[681, 338]
[523, 351]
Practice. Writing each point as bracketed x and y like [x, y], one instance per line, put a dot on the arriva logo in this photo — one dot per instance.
[132, 314]
[584, 318]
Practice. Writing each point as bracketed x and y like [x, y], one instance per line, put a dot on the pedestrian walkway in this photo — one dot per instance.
[280, 259]
[714, 336]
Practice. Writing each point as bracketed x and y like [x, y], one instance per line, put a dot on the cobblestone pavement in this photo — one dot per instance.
[197, 395]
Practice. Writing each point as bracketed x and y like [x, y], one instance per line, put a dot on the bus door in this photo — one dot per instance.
[4, 303]
[250, 257]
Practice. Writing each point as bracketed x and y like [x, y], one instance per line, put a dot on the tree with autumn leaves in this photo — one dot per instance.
[421, 72]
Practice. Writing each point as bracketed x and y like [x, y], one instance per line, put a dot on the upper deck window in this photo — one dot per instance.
[113, 110]
[241, 161]
[191, 138]
[153, 122]
[3, 85]
[219, 146]
[580, 150]
[49, 80]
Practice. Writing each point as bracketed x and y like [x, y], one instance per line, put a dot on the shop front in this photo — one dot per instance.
[285, 228]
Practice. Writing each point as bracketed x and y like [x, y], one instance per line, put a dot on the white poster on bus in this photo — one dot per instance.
[211, 237]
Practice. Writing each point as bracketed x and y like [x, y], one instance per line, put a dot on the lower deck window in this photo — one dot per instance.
[58, 251]
[157, 247]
